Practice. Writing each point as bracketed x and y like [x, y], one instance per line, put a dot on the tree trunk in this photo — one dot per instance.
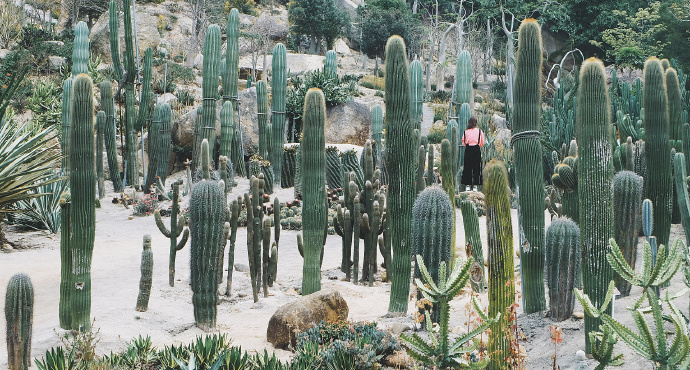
[442, 47]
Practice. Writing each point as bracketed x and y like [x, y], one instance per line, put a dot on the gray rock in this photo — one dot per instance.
[55, 62]
[341, 47]
[270, 26]
[348, 123]
[239, 267]
[147, 34]
[398, 328]
[300, 314]
[296, 63]
[499, 121]
[4, 53]
[199, 61]
[169, 98]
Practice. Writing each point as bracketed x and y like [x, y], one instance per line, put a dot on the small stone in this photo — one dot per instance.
[384, 277]
[131, 217]
[398, 328]
[242, 295]
[398, 360]
[580, 355]
[7, 247]
[239, 267]
[579, 315]
[458, 330]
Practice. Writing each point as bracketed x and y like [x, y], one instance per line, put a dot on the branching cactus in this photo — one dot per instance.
[19, 314]
[146, 275]
[501, 275]
[432, 229]
[330, 67]
[109, 132]
[563, 259]
[400, 159]
[627, 206]
[278, 93]
[100, 176]
[528, 164]
[594, 180]
[314, 213]
[262, 112]
[334, 168]
[473, 245]
[211, 74]
[176, 229]
[416, 92]
[565, 178]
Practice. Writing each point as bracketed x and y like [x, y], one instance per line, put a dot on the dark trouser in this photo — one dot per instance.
[472, 172]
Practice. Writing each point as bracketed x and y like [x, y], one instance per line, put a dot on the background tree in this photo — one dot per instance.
[318, 20]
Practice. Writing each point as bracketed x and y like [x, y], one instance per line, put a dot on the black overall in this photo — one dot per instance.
[472, 172]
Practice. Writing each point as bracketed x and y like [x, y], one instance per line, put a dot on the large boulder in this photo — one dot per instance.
[297, 316]
[270, 27]
[147, 34]
[348, 123]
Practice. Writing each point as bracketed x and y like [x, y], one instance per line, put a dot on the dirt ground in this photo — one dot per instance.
[169, 320]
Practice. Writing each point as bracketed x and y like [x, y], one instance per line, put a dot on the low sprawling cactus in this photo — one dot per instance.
[19, 314]
[563, 259]
[146, 275]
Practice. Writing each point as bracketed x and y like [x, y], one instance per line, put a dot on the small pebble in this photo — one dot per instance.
[580, 355]
[579, 315]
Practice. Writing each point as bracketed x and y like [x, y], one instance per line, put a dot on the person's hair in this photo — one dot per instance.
[471, 123]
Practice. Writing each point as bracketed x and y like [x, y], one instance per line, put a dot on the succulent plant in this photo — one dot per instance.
[146, 275]
[19, 312]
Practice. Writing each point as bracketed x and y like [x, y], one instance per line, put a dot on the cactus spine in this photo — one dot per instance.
[594, 177]
[278, 92]
[501, 277]
[334, 168]
[100, 124]
[207, 215]
[262, 112]
[627, 203]
[658, 148]
[313, 190]
[330, 67]
[528, 164]
[473, 243]
[563, 258]
[401, 166]
[19, 313]
[176, 229]
[83, 207]
[66, 121]
[211, 74]
[109, 134]
[417, 93]
[432, 230]
[146, 275]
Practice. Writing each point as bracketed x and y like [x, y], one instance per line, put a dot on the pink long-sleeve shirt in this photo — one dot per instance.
[473, 136]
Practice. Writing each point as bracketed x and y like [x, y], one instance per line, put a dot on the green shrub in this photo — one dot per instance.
[440, 112]
[180, 73]
[438, 97]
[372, 82]
[437, 133]
[160, 85]
[379, 93]
[45, 104]
[243, 6]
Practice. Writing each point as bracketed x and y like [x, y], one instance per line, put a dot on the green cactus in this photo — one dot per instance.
[603, 353]
[207, 215]
[432, 230]
[230, 87]
[66, 121]
[278, 93]
[146, 97]
[146, 275]
[356, 229]
[528, 164]
[463, 82]
[627, 203]
[448, 184]
[658, 148]
[267, 171]
[594, 178]
[165, 142]
[80, 51]
[262, 112]
[464, 115]
[417, 93]
[176, 229]
[314, 192]
[273, 265]
[83, 207]
[211, 74]
[430, 175]
[473, 243]
[154, 147]
[680, 176]
[288, 176]
[109, 133]
[420, 181]
[330, 67]
[565, 178]
[501, 275]
[19, 314]
[351, 164]
[298, 173]
[377, 126]
[675, 125]
[563, 259]
[66, 278]
[100, 125]
[334, 168]
[232, 237]
[400, 152]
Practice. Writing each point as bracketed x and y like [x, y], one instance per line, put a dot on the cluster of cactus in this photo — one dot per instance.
[528, 164]
[258, 165]
[146, 275]
[351, 164]
[500, 248]
[624, 156]
[627, 203]
[565, 179]
[278, 93]
[563, 259]
[594, 177]
[176, 229]
[400, 160]
[19, 312]
[330, 66]
[109, 132]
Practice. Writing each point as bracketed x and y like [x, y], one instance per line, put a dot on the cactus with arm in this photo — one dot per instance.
[176, 229]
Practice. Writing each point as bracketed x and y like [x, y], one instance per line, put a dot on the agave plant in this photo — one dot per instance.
[56, 359]
[42, 213]
[439, 352]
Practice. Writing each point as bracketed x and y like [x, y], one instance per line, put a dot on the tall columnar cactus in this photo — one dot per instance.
[227, 133]
[313, 190]
[100, 125]
[463, 81]
[563, 259]
[473, 244]
[594, 180]
[129, 77]
[176, 229]
[80, 52]
[627, 203]
[464, 114]
[452, 137]
[330, 67]
[165, 142]
[501, 275]
[209, 86]
[686, 144]
[421, 166]
[146, 275]
[146, 97]
[66, 277]
[83, 207]
[262, 112]
[448, 184]
[658, 148]
[417, 92]
[232, 237]
[298, 173]
[287, 178]
[154, 146]
[19, 315]
[66, 121]
[400, 150]
[377, 126]
[207, 216]
[432, 230]
[675, 106]
[109, 133]
[334, 168]
[278, 92]
[230, 87]
[528, 164]
[351, 164]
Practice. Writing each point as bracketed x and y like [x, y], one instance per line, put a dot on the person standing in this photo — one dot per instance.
[472, 140]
